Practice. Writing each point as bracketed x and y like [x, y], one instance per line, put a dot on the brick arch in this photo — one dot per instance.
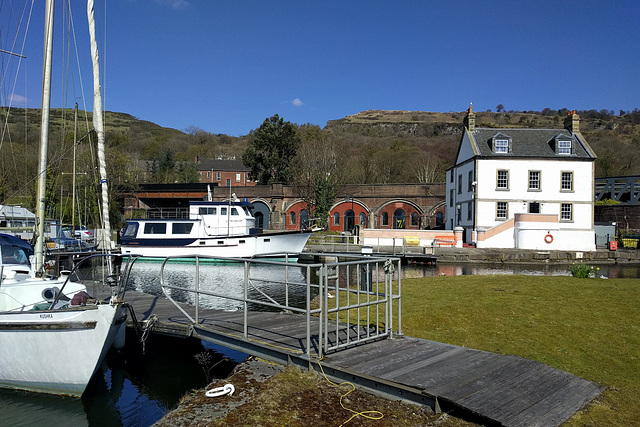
[295, 207]
[390, 207]
[262, 206]
[344, 205]
[430, 217]
[262, 200]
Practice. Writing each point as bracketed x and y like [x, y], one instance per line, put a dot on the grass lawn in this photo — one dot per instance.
[588, 327]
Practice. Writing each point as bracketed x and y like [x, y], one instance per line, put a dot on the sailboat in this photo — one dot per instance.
[53, 335]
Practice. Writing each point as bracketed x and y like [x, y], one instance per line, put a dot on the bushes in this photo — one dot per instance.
[582, 271]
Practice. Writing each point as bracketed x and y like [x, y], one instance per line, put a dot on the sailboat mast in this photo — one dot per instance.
[73, 186]
[44, 135]
[98, 125]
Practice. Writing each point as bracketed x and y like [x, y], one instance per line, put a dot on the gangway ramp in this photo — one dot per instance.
[490, 388]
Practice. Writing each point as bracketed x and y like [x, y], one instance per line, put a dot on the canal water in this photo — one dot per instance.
[136, 387]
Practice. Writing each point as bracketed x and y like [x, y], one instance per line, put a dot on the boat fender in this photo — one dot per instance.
[221, 391]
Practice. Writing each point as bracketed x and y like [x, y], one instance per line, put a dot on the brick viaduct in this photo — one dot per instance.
[279, 207]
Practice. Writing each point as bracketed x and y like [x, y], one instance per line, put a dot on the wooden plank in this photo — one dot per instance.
[502, 391]
[376, 351]
[546, 382]
[500, 369]
[421, 364]
[559, 406]
[446, 374]
[509, 390]
[395, 360]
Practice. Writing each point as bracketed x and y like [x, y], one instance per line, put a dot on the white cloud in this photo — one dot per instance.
[297, 102]
[18, 101]
[174, 4]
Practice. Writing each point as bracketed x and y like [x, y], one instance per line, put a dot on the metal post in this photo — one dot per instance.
[286, 280]
[245, 333]
[308, 302]
[324, 305]
[399, 329]
[197, 289]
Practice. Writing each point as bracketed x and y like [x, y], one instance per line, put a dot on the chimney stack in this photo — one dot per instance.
[572, 122]
[470, 119]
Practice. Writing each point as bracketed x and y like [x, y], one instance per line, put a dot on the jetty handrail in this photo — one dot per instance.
[352, 300]
[351, 243]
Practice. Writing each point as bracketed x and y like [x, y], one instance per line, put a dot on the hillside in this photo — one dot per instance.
[614, 138]
[372, 146]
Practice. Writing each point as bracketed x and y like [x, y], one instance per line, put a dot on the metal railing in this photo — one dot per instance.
[351, 244]
[342, 302]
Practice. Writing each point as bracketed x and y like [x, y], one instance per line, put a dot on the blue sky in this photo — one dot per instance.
[225, 66]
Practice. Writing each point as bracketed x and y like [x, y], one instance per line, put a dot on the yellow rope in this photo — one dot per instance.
[372, 415]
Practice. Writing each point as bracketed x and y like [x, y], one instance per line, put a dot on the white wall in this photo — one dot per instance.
[567, 240]
[550, 196]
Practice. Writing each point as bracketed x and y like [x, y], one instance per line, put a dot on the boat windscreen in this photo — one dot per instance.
[14, 255]
[130, 230]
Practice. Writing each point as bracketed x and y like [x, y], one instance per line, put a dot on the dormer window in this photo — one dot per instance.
[564, 146]
[501, 144]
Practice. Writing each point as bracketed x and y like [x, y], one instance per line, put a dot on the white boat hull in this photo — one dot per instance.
[251, 246]
[56, 351]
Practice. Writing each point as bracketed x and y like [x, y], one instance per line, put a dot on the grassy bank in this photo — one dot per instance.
[589, 327]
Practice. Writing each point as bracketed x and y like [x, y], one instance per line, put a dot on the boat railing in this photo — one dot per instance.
[113, 270]
[167, 213]
[343, 302]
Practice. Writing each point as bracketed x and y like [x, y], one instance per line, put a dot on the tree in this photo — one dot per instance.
[500, 108]
[316, 172]
[272, 150]
[427, 168]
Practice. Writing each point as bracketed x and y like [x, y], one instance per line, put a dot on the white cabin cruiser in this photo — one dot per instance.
[215, 229]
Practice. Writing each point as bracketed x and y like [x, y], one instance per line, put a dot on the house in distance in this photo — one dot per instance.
[224, 173]
[523, 188]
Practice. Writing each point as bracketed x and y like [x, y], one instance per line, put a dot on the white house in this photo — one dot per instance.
[523, 188]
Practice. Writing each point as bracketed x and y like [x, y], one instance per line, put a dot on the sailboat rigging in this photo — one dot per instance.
[43, 320]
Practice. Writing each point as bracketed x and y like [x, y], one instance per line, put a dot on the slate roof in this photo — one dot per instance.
[538, 143]
[221, 165]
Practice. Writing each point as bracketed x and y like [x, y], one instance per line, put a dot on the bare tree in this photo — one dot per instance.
[316, 171]
[427, 168]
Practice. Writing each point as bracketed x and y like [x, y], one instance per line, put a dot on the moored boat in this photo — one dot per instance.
[216, 229]
[53, 337]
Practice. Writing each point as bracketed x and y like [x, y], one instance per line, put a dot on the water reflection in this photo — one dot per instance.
[223, 279]
[132, 388]
[30, 409]
[415, 271]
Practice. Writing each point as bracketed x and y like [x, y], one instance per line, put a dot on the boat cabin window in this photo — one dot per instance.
[155, 228]
[131, 230]
[181, 227]
[207, 211]
[234, 212]
[13, 255]
[223, 211]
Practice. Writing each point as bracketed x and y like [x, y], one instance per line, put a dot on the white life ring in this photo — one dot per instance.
[548, 238]
[221, 391]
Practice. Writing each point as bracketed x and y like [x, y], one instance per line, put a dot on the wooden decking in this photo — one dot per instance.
[494, 389]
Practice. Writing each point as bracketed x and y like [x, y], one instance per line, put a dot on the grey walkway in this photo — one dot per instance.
[491, 388]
